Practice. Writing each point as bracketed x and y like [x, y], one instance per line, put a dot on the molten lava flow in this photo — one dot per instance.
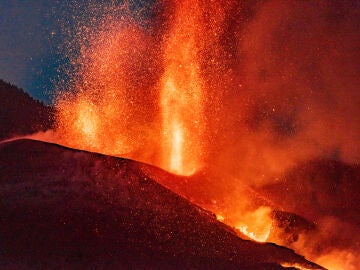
[181, 94]
[295, 266]
[220, 217]
[257, 237]
[256, 225]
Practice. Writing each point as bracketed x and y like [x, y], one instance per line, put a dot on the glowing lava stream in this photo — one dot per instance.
[181, 96]
[256, 224]
[258, 238]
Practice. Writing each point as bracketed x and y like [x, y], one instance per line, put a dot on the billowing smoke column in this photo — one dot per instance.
[237, 93]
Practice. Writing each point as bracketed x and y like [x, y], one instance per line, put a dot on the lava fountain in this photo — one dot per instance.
[181, 97]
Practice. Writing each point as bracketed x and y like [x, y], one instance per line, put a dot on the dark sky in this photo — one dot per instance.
[30, 35]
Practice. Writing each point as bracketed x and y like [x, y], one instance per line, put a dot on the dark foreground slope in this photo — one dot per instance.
[66, 209]
[20, 114]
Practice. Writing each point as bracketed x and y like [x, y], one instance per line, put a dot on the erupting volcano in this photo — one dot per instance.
[241, 108]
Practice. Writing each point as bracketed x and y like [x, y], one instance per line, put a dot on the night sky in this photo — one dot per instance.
[29, 47]
[31, 41]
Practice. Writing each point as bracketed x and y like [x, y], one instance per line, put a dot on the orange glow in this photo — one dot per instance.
[220, 217]
[256, 225]
[295, 265]
[107, 111]
[87, 121]
[257, 237]
[176, 155]
[338, 260]
[147, 91]
[181, 94]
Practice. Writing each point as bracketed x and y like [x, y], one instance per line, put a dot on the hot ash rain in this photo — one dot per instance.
[167, 94]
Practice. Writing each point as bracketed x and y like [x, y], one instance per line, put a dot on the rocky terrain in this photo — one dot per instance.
[68, 209]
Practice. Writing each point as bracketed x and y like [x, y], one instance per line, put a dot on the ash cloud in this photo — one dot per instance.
[295, 98]
[294, 94]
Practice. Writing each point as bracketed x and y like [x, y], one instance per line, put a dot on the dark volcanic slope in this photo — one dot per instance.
[66, 209]
[20, 114]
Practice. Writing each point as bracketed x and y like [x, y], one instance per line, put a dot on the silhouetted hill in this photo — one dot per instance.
[67, 209]
[20, 114]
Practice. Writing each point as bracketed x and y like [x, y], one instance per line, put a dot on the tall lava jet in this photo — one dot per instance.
[181, 97]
